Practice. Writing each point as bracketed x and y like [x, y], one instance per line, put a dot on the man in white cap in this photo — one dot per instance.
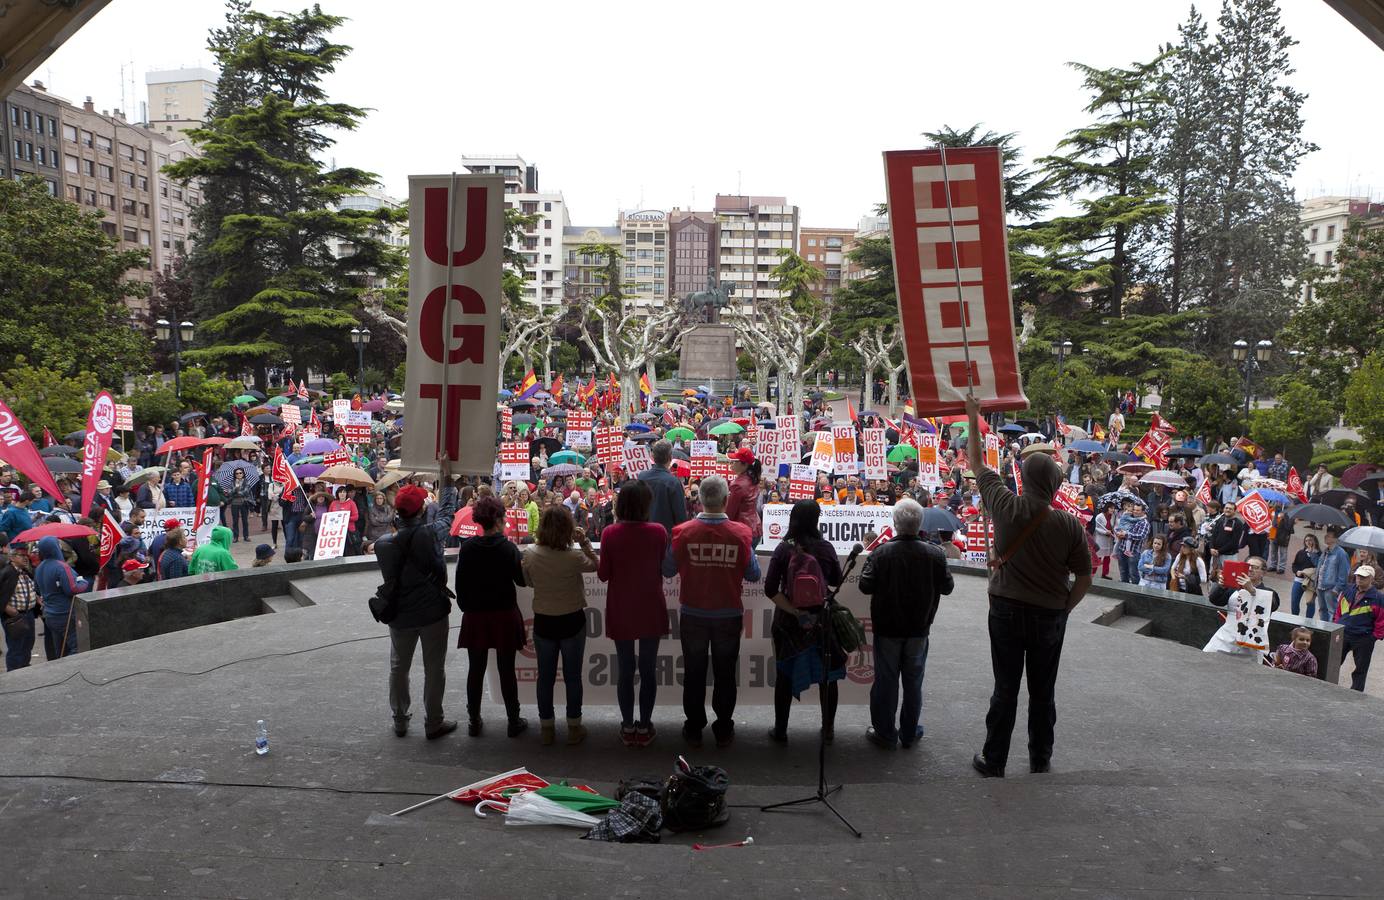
[1360, 611]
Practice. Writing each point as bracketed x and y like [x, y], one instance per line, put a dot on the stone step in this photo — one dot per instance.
[298, 596]
[1133, 624]
[281, 603]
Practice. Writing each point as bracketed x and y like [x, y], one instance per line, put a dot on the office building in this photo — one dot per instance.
[868, 227]
[583, 274]
[179, 99]
[393, 235]
[753, 232]
[824, 248]
[31, 131]
[645, 234]
[540, 244]
[694, 251]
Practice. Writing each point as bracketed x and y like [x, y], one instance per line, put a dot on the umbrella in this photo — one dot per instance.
[744, 404]
[1274, 496]
[936, 518]
[643, 436]
[901, 453]
[373, 406]
[767, 423]
[76, 436]
[1352, 476]
[258, 410]
[637, 426]
[541, 395]
[681, 454]
[765, 403]
[59, 450]
[267, 419]
[309, 470]
[1114, 456]
[571, 457]
[1026, 436]
[320, 445]
[1217, 459]
[1163, 477]
[1337, 496]
[1362, 537]
[552, 445]
[347, 474]
[61, 465]
[245, 442]
[524, 419]
[389, 479]
[704, 387]
[1075, 433]
[1011, 428]
[1085, 446]
[187, 442]
[523, 404]
[256, 394]
[1317, 514]
[225, 476]
[681, 433]
[152, 473]
[1136, 468]
[561, 470]
[726, 428]
[188, 417]
[1119, 498]
[681, 468]
[276, 401]
[1187, 452]
[245, 398]
[60, 530]
[504, 394]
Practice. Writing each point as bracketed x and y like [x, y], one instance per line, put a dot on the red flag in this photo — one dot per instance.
[110, 536]
[850, 410]
[1153, 448]
[303, 390]
[1204, 492]
[282, 473]
[290, 389]
[99, 430]
[203, 488]
[245, 426]
[17, 449]
[1250, 447]
[1295, 485]
[356, 403]
[314, 423]
[556, 389]
[1098, 432]
[48, 440]
[1018, 477]
[1158, 423]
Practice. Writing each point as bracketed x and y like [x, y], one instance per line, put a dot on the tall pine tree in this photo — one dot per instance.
[263, 275]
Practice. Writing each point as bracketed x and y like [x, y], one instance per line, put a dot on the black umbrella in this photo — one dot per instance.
[1114, 456]
[644, 436]
[59, 450]
[523, 404]
[188, 417]
[935, 518]
[76, 436]
[266, 419]
[682, 454]
[1337, 496]
[523, 419]
[1217, 459]
[257, 395]
[62, 465]
[1188, 452]
[1317, 514]
[552, 445]
[557, 414]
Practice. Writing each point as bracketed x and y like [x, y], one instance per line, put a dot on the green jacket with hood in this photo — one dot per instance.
[214, 556]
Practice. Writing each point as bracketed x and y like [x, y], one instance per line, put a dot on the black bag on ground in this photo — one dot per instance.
[694, 798]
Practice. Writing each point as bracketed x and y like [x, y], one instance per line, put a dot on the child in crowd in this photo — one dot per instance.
[264, 555]
[1297, 656]
[293, 555]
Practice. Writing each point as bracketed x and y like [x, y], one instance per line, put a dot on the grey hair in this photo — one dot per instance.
[908, 516]
[662, 453]
[714, 491]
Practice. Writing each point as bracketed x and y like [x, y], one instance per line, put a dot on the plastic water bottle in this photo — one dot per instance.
[261, 738]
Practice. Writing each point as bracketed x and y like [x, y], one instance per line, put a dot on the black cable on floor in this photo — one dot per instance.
[242, 784]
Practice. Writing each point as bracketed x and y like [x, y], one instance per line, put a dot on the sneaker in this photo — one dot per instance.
[693, 736]
[644, 735]
[880, 740]
[445, 728]
[627, 735]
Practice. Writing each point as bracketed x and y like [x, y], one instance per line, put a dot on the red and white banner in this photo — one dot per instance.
[291, 414]
[506, 424]
[752, 435]
[844, 461]
[1018, 476]
[246, 428]
[980, 534]
[1295, 487]
[1153, 448]
[579, 424]
[453, 341]
[514, 461]
[876, 449]
[110, 536]
[610, 444]
[925, 278]
[124, 417]
[1068, 499]
[992, 452]
[802, 482]
[48, 439]
[637, 459]
[1254, 509]
[357, 427]
[283, 473]
[703, 459]
[1204, 491]
[336, 458]
[516, 524]
[99, 430]
[823, 452]
[885, 536]
[790, 447]
[929, 459]
[331, 534]
[17, 449]
[201, 513]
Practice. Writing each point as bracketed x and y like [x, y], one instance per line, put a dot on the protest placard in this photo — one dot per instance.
[292, 415]
[876, 447]
[336, 458]
[506, 424]
[358, 425]
[992, 451]
[514, 461]
[516, 524]
[802, 482]
[579, 429]
[929, 465]
[980, 534]
[790, 449]
[124, 417]
[331, 535]
[823, 452]
[637, 459]
[844, 461]
[340, 408]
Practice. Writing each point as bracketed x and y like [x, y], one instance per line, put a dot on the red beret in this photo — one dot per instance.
[410, 500]
[170, 524]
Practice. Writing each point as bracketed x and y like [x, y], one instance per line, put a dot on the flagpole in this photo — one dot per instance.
[956, 268]
[445, 417]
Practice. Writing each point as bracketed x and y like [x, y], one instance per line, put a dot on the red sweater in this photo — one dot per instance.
[714, 559]
[743, 503]
[631, 557]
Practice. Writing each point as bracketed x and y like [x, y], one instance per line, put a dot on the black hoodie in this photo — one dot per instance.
[1037, 573]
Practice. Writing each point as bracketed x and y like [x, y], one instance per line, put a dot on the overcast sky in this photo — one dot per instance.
[624, 105]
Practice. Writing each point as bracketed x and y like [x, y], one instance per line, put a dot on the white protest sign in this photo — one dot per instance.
[292, 415]
[876, 447]
[844, 526]
[802, 482]
[579, 424]
[457, 223]
[331, 535]
[357, 426]
[124, 417]
[637, 459]
[843, 456]
[340, 410]
[514, 461]
[789, 443]
[929, 464]
[823, 453]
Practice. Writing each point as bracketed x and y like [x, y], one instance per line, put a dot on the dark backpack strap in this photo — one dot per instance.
[1023, 536]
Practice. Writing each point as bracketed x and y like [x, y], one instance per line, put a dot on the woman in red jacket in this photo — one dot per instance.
[632, 552]
[743, 505]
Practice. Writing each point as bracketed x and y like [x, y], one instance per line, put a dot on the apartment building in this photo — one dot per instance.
[394, 235]
[32, 141]
[645, 245]
[867, 227]
[179, 99]
[752, 232]
[1324, 221]
[541, 244]
[824, 248]
[583, 274]
[694, 250]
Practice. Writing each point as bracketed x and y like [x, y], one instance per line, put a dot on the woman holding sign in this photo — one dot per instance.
[743, 505]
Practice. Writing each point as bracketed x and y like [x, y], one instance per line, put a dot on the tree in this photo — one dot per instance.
[1363, 407]
[1027, 192]
[41, 397]
[786, 329]
[1074, 392]
[206, 393]
[1203, 398]
[1300, 416]
[63, 288]
[1111, 158]
[621, 336]
[152, 402]
[268, 284]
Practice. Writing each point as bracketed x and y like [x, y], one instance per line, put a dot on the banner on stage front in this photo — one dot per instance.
[843, 526]
[945, 359]
[331, 534]
[457, 223]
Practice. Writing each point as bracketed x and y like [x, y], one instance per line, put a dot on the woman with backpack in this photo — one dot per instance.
[802, 569]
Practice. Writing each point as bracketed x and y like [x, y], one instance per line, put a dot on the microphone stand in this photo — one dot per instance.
[827, 644]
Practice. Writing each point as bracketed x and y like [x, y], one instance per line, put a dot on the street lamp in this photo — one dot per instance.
[1240, 351]
[360, 337]
[1061, 349]
[182, 334]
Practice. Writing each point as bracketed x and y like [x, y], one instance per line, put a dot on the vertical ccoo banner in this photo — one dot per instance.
[453, 320]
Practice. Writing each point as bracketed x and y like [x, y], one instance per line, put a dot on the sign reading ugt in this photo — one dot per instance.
[453, 337]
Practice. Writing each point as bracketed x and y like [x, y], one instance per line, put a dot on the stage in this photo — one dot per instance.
[1175, 772]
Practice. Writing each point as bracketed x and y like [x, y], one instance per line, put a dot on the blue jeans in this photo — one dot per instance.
[898, 659]
[1129, 568]
[292, 536]
[1278, 557]
[571, 650]
[1326, 603]
[648, 679]
[1023, 638]
[19, 649]
[54, 627]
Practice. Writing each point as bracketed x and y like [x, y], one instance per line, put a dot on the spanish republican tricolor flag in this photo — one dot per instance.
[529, 386]
[646, 390]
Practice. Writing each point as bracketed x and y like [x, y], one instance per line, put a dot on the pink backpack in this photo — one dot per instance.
[805, 585]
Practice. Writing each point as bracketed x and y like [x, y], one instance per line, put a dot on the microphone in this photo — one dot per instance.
[855, 551]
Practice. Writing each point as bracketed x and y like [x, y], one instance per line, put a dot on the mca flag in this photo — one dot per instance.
[528, 387]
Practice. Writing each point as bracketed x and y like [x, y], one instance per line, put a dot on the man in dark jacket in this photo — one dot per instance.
[1037, 548]
[1228, 535]
[669, 507]
[415, 573]
[905, 579]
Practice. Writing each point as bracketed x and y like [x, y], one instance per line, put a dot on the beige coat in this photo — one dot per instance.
[556, 579]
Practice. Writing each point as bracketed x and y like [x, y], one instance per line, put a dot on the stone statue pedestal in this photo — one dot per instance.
[708, 352]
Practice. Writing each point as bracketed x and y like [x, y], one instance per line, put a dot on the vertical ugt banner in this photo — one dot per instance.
[925, 279]
[453, 341]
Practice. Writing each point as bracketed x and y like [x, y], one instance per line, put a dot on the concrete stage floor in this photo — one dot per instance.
[1176, 773]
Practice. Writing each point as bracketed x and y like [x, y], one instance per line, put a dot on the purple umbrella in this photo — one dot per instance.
[373, 406]
[320, 445]
[309, 470]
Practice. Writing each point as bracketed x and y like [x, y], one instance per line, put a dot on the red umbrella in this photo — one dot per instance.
[60, 530]
[961, 420]
[742, 422]
[681, 469]
[1352, 476]
[188, 442]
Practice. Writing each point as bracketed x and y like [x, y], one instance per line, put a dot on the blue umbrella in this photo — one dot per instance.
[1274, 496]
[505, 395]
[1084, 446]
[637, 426]
[1011, 428]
